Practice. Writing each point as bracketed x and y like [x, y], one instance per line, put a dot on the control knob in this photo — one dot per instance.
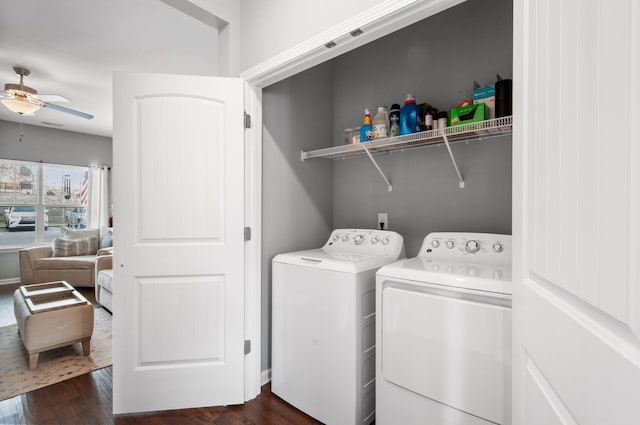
[358, 239]
[450, 244]
[435, 243]
[472, 246]
[385, 241]
[336, 237]
[345, 238]
[497, 247]
[375, 240]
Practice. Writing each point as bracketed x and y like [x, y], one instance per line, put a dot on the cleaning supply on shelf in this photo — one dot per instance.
[394, 120]
[381, 123]
[409, 116]
[366, 131]
[348, 136]
[428, 120]
[464, 99]
[430, 117]
[503, 88]
[442, 120]
[355, 137]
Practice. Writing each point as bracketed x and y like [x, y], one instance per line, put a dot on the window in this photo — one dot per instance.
[37, 199]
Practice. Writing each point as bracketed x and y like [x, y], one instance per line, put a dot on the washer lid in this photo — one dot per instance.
[456, 274]
[336, 261]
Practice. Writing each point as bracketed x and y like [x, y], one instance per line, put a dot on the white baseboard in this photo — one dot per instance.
[9, 281]
[265, 377]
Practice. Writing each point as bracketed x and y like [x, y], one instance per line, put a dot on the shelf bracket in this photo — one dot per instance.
[389, 187]
[446, 142]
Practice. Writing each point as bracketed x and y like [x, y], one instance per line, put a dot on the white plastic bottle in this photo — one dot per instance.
[381, 123]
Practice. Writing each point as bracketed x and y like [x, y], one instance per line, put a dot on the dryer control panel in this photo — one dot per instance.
[365, 241]
[486, 248]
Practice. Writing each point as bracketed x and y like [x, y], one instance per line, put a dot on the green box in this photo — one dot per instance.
[468, 114]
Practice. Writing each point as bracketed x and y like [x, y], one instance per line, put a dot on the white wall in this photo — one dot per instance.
[229, 35]
[271, 27]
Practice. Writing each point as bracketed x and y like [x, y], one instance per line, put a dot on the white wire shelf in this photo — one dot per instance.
[477, 130]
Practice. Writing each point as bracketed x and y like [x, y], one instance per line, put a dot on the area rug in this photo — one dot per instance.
[53, 365]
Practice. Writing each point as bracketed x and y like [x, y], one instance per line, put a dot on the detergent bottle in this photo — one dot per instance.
[409, 116]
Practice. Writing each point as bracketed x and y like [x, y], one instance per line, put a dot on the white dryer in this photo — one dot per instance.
[444, 333]
[323, 325]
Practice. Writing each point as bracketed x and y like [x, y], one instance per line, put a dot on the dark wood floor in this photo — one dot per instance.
[87, 399]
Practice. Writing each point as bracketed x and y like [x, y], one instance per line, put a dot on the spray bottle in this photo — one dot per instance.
[366, 131]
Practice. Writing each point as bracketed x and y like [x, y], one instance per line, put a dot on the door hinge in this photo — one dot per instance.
[247, 234]
[247, 120]
[247, 346]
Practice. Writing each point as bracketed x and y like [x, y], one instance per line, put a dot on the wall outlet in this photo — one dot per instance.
[383, 221]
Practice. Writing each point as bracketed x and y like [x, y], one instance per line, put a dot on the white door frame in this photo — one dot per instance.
[376, 22]
[253, 247]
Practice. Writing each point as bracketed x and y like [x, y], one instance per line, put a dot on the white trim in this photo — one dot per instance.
[375, 22]
[521, 54]
[9, 281]
[253, 248]
[266, 376]
[12, 248]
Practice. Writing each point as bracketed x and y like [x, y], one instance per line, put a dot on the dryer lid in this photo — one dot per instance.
[347, 262]
[494, 278]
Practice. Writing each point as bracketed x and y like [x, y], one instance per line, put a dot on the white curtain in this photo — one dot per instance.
[98, 208]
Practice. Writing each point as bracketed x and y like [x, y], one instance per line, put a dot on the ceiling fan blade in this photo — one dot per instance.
[67, 110]
[53, 98]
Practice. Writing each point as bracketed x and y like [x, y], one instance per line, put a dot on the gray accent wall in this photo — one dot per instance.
[434, 59]
[297, 197]
[52, 146]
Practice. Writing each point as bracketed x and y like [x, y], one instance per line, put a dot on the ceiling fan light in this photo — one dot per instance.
[20, 106]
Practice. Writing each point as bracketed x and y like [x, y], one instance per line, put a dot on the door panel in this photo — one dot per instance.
[176, 163]
[198, 317]
[576, 191]
[580, 153]
[179, 258]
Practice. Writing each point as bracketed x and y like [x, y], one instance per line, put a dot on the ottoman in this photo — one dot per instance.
[52, 315]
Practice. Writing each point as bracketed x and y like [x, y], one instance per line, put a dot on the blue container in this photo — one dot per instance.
[366, 133]
[409, 113]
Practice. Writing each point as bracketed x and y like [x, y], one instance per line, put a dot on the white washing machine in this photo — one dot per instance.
[444, 333]
[323, 325]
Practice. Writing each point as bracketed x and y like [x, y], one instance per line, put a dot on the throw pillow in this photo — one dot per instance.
[70, 247]
[68, 233]
[106, 239]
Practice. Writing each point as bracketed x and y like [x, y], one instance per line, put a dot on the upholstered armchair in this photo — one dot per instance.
[104, 280]
[62, 261]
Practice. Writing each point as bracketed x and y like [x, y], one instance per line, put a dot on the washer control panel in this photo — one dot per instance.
[365, 241]
[476, 247]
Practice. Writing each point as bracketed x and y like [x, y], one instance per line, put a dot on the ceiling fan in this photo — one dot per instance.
[25, 101]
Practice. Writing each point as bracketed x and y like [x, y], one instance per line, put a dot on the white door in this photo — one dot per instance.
[576, 212]
[178, 319]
